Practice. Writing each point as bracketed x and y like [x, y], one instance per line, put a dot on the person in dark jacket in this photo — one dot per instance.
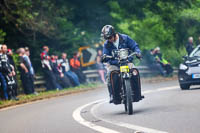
[113, 42]
[8, 72]
[3, 88]
[152, 63]
[189, 46]
[60, 78]
[24, 72]
[11, 60]
[48, 71]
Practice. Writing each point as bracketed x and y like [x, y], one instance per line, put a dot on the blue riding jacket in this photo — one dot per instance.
[124, 42]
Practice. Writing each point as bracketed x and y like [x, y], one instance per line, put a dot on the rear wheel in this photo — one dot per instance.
[129, 97]
[184, 86]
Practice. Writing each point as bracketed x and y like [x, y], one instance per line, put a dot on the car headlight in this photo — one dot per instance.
[183, 67]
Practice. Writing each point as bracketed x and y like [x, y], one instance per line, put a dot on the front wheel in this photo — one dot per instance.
[129, 98]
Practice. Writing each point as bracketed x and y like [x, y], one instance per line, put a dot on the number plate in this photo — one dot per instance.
[195, 76]
[124, 69]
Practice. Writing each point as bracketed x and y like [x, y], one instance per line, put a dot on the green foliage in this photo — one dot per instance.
[166, 24]
[2, 35]
[65, 25]
[48, 94]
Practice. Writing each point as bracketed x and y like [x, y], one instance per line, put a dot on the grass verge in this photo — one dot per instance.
[49, 94]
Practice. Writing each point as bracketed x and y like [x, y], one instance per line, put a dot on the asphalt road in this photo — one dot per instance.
[165, 109]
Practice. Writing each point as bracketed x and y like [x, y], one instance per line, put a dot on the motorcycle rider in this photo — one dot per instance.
[115, 41]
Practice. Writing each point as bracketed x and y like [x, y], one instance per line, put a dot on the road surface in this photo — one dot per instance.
[165, 109]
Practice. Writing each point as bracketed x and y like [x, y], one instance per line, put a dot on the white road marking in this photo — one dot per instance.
[77, 116]
[122, 124]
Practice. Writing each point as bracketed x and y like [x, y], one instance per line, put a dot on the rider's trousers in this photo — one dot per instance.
[111, 68]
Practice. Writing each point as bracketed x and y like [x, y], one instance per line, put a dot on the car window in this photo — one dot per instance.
[195, 52]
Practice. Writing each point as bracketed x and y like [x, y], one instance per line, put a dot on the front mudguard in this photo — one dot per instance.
[136, 85]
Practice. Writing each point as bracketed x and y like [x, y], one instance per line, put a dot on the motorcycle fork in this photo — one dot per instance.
[123, 91]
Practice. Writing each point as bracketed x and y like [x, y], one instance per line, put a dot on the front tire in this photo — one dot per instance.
[184, 86]
[129, 97]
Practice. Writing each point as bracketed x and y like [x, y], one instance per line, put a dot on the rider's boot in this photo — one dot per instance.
[111, 99]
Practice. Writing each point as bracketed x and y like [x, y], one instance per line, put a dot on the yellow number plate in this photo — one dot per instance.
[124, 69]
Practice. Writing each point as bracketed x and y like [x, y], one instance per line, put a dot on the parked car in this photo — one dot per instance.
[189, 70]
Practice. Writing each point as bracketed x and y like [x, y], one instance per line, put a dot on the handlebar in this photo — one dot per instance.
[134, 53]
[110, 57]
[104, 57]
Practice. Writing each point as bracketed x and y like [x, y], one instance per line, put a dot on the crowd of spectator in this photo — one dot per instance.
[58, 72]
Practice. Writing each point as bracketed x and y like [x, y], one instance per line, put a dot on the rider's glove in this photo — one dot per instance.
[103, 58]
[130, 59]
[139, 55]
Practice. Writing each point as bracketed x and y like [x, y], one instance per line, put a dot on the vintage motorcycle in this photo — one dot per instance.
[127, 90]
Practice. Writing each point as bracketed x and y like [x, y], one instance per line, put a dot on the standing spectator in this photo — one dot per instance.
[8, 72]
[66, 70]
[11, 61]
[100, 67]
[47, 69]
[189, 46]
[76, 67]
[30, 69]
[3, 92]
[24, 72]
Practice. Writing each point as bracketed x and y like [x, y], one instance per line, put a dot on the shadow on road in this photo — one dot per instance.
[146, 110]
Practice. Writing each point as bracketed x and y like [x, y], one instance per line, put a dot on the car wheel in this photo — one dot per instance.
[185, 86]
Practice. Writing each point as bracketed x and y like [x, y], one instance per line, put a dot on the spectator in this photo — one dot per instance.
[25, 73]
[60, 78]
[189, 46]
[152, 63]
[66, 70]
[8, 72]
[30, 69]
[3, 92]
[76, 67]
[11, 61]
[100, 67]
[164, 63]
[47, 69]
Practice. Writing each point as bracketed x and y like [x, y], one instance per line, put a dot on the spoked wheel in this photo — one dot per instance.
[129, 99]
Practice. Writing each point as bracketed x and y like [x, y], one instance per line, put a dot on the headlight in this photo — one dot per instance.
[183, 67]
[123, 54]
